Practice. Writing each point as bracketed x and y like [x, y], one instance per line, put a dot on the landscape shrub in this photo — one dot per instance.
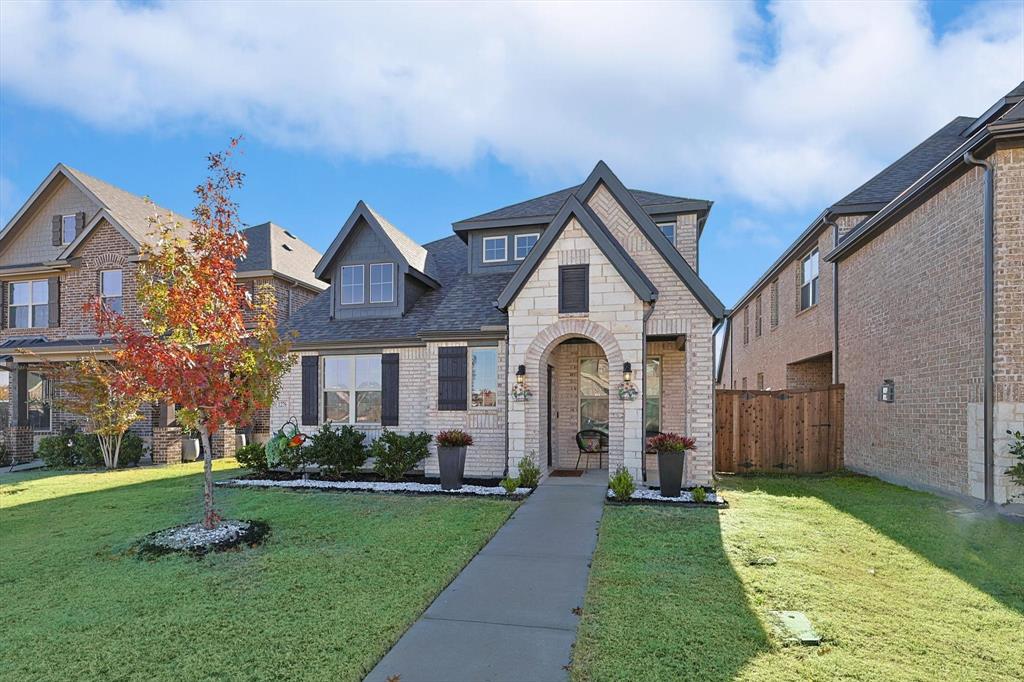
[396, 454]
[87, 447]
[59, 451]
[337, 451]
[5, 454]
[510, 485]
[622, 485]
[529, 473]
[454, 438]
[698, 494]
[1016, 472]
[253, 457]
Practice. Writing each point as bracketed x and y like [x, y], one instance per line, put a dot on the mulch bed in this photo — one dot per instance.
[157, 544]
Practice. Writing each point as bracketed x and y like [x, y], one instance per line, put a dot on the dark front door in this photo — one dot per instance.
[551, 409]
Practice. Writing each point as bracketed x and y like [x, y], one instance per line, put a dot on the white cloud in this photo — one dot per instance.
[746, 232]
[682, 97]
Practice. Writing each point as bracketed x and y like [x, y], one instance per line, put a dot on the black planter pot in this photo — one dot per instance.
[452, 462]
[670, 472]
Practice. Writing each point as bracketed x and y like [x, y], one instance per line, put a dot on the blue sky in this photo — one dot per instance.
[772, 111]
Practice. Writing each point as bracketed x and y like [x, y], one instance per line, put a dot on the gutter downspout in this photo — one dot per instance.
[989, 325]
[835, 299]
[643, 404]
[508, 389]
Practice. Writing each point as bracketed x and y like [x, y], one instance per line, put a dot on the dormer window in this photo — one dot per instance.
[352, 284]
[382, 283]
[495, 249]
[67, 229]
[525, 242]
[669, 230]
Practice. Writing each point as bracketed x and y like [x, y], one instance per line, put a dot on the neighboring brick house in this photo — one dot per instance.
[780, 334]
[920, 351]
[565, 293]
[78, 237]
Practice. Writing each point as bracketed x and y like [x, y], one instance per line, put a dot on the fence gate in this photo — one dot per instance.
[797, 432]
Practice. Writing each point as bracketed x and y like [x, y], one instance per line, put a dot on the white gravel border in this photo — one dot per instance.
[372, 486]
[194, 536]
[651, 495]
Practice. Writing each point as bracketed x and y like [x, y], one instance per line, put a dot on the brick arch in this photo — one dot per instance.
[107, 260]
[536, 358]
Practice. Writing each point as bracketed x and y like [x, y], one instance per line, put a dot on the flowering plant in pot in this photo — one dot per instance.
[451, 457]
[671, 449]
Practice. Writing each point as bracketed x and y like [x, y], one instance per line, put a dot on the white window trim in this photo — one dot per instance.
[504, 240]
[30, 305]
[362, 285]
[515, 249]
[390, 300]
[469, 381]
[74, 228]
[103, 295]
[324, 388]
[812, 257]
[674, 231]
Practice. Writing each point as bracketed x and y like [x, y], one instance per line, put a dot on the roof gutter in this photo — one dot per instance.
[989, 323]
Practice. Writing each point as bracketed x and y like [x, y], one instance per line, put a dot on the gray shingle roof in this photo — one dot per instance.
[464, 302]
[414, 254]
[271, 247]
[897, 176]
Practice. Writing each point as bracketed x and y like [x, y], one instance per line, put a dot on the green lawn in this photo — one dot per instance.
[337, 582]
[899, 588]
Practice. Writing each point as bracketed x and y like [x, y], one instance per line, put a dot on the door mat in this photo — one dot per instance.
[567, 473]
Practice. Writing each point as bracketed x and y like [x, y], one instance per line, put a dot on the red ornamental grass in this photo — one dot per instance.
[455, 438]
[672, 442]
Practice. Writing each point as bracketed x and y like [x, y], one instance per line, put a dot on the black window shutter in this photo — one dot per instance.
[57, 236]
[573, 288]
[53, 287]
[389, 389]
[79, 223]
[451, 378]
[310, 389]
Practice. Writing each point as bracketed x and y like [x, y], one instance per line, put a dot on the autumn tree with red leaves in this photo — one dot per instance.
[192, 347]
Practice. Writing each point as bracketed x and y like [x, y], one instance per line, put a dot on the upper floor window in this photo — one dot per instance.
[495, 249]
[809, 280]
[382, 283]
[352, 389]
[669, 230]
[351, 284]
[484, 383]
[28, 304]
[110, 290]
[525, 242]
[67, 229]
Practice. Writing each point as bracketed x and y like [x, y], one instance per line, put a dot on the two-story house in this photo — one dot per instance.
[567, 298]
[78, 237]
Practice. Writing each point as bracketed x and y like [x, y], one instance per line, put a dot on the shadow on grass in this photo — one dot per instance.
[981, 549]
[664, 602]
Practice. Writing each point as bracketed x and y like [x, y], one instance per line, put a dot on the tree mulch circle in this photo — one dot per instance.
[194, 540]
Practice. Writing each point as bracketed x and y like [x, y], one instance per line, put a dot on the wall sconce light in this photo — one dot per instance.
[887, 392]
[521, 375]
[627, 372]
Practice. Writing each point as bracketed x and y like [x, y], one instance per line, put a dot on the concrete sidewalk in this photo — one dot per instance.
[508, 615]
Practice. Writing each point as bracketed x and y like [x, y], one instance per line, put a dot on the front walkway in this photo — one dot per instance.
[509, 614]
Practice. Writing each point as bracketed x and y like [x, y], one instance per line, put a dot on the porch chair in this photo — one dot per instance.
[592, 442]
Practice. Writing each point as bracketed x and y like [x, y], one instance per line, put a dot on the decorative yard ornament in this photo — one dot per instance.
[190, 344]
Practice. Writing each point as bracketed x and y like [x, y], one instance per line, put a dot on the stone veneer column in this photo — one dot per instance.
[166, 448]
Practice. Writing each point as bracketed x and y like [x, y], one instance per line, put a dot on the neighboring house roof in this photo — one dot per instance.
[599, 234]
[541, 210]
[273, 249]
[417, 257]
[463, 303]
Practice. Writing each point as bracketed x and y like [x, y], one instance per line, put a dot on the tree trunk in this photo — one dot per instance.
[105, 451]
[117, 440]
[210, 516]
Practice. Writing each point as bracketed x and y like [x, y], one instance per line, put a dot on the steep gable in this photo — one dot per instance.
[28, 237]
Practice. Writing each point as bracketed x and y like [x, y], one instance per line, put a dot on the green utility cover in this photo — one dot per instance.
[798, 625]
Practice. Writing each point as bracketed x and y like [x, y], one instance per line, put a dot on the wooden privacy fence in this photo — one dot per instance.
[797, 432]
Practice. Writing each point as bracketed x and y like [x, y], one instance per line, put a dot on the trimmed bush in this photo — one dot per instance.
[87, 445]
[510, 485]
[59, 451]
[622, 485]
[337, 451]
[253, 457]
[529, 473]
[396, 454]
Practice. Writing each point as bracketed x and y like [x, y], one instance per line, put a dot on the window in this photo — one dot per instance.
[525, 242]
[809, 281]
[110, 290]
[382, 283]
[744, 383]
[67, 229]
[593, 394]
[669, 230]
[351, 284]
[757, 316]
[484, 384]
[38, 391]
[573, 288]
[652, 394]
[760, 381]
[746, 325]
[352, 388]
[774, 303]
[495, 249]
[29, 304]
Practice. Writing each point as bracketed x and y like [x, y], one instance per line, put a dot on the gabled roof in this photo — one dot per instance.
[592, 225]
[416, 257]
[541, 210]
[603, 174]
[274, 249]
